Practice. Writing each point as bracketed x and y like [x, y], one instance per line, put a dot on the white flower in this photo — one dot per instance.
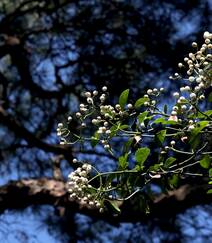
[104, 88]
[176, 94]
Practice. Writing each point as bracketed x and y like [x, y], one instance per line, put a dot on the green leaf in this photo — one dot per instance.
[208, 113]
[205, 162]
[140, 102]
[164, 121]
[210, 97]
[173, 181]
[123, 163]
[210, 172]
[209, 191]
[169, 161]
[127, 145]
[95, 140]
[142, 116]
[115, 205]
[123, 98]
[194, 137]
[160, 136]
[141, 155]
[123, 127]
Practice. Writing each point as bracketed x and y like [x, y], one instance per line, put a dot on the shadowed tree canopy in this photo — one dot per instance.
[50, 52]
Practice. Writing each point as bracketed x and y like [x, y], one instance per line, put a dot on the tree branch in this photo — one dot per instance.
[23, 193]
[22, 132]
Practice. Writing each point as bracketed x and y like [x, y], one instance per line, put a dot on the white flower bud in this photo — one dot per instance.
[87, 94]
[206, 35]
[191, 79]
[172, 142]
[194, 44]
[202, 97]
[187, 88]
[95, 92]
[175, 108]
[108, 132]
[104, 88]
[78, 114]
[193, 96]
[89, 100]
[184, 107]
[176, 94]
[173, 113]
[60, 125]
[149, 91]
[180, 65]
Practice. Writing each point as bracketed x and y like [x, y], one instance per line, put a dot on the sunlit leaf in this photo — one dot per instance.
[123, 163]
[169, 161]
[140, 102]
[123, 98]
[141, 155]
[205, 162]
[142, 116]
[160, 136]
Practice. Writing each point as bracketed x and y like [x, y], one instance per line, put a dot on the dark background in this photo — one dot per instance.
[52, 50]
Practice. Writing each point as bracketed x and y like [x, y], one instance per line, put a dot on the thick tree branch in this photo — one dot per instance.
[23, 193]
[22, 132]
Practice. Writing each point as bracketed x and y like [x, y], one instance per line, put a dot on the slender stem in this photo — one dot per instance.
[181, 152]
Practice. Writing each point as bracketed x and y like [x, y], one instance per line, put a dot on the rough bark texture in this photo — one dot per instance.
[23, 193]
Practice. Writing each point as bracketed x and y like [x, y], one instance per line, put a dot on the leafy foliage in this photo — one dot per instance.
[182, 137]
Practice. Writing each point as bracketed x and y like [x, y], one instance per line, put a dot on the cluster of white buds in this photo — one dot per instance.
[79, 188]
[153, 93]
[198, 78]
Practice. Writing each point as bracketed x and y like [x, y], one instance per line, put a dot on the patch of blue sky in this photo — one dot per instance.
[107, 38]
[6, 137]
[26, 227]
[71, 11]
[67, 74]
[60, 58]
[196, 224]
[72, 55]
[184, 26]
[44, 75]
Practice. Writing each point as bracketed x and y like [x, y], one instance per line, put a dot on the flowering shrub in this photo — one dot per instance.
[182, 137]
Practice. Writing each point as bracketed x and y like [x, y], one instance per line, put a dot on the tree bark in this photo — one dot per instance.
[44, 191]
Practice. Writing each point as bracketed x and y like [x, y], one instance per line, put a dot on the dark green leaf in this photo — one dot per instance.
[194, 137]
[140, 102]
[209, 191]
[141, 155]
[115, 205]
[160, 136]
[210, 172]
[207, 113]
[205, 162]
[210, 97]
[165, 108]
[127, 145]
[169, 161]
[123, 98]
[95, 139]
[173, 181]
